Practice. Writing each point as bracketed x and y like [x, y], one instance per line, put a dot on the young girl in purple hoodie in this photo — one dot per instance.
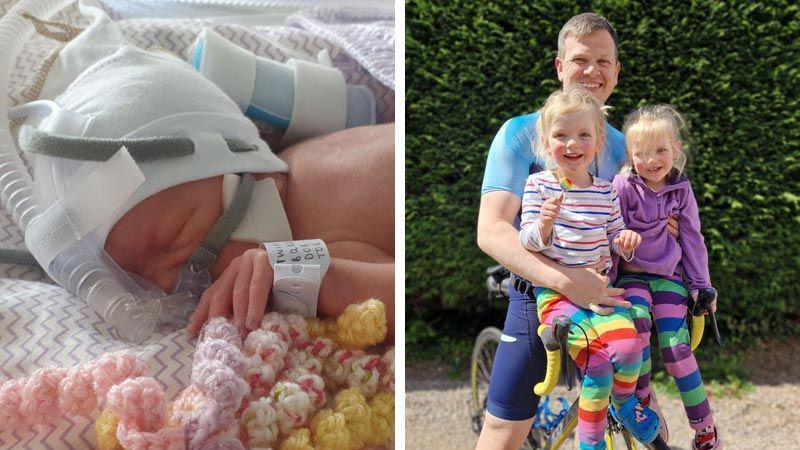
[665, 271]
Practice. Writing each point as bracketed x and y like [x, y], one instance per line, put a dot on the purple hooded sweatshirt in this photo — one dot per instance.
[647, 213]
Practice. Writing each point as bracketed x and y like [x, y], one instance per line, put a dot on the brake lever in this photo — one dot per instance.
[704, 299]
[561, 326]
[714, 327]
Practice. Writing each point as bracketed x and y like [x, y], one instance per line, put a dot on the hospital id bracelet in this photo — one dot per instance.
[299, 267]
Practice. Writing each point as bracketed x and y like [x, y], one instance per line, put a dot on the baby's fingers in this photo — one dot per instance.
[199, 316]
[220, 304]
[208, 306]
[241, 291]
[259, 289]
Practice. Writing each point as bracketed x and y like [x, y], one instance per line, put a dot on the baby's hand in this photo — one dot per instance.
[627, 241]
[244, 287]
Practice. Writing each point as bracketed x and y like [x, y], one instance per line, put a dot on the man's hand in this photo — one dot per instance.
[672, 227]
[627, 241]
[548, 215]
[589, 290]
[244, 287]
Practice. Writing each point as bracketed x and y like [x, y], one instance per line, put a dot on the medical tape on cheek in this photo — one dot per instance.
[90, 201]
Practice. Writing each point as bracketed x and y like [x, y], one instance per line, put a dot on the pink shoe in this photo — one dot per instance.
[703, 442]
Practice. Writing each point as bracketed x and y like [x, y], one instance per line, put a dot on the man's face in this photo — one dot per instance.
[589, 61]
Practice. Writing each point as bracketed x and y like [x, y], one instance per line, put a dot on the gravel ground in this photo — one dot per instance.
[765, 418]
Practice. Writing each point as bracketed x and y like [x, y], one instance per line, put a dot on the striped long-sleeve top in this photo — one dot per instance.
[588, 221]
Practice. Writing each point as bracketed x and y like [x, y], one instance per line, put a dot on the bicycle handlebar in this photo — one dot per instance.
[698, 308]
[554, 339]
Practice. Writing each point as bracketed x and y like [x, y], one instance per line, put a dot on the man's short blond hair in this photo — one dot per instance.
[585, 24]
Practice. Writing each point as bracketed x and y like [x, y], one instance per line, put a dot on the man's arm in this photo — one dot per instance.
[498, 238]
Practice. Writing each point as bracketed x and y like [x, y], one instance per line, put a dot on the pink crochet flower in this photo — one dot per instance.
[269, 345]
[276, 322]
[297, 358]
[261, 377]
[140, 403]
[320, 347]
[113, 368]
[222, 443]
[365, 374]
[387, 370]
[10, 399]
[170, 438]
[221, 384]
[76, 393]
[221, 328]
[339, 367]
[313, 385]
[222, 351]
[40, 396]
[293, 405]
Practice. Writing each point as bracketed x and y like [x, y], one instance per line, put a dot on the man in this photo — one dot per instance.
[587, 56]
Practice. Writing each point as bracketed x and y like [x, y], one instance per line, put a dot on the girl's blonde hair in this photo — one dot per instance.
[559, 103]
[649, 123]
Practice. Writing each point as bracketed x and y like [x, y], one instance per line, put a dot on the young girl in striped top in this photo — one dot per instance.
[574, 218]
[665, 271]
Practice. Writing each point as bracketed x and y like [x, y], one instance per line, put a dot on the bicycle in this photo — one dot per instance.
[550, 429]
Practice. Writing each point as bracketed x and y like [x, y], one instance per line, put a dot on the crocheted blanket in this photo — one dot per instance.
[41, 324]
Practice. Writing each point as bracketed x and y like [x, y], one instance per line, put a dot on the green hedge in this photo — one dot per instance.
[734, 71]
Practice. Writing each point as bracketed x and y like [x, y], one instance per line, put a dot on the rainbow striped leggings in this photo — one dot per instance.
[666, 298]
[610, 354]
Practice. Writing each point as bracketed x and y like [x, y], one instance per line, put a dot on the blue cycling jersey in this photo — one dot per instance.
[511, 157]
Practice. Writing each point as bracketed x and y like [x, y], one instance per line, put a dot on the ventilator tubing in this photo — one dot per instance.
[79, 266]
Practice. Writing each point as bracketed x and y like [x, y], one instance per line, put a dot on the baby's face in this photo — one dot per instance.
[572, 142]
[654, 160]
[156, 238]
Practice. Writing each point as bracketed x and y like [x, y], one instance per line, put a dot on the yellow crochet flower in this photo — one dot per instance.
[382, 407]
[330, 430]
[106, 429]
[321, 328]
[299, 439]
[358, 415]
[362, 325]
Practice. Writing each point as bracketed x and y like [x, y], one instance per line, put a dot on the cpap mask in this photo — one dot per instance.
[131, 125]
